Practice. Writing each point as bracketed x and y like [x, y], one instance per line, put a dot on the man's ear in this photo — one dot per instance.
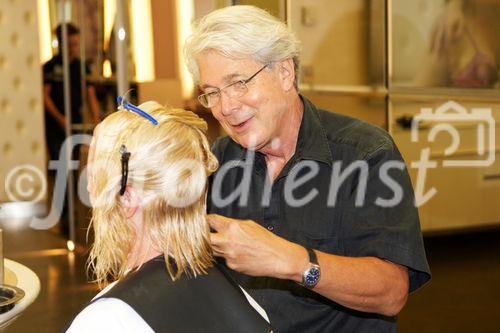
[130, 201]
[286, 70]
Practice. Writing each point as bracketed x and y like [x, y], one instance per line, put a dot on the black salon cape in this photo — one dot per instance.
[207, 303]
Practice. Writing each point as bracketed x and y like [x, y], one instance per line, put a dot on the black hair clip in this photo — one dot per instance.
[124, 158]
[131, 107]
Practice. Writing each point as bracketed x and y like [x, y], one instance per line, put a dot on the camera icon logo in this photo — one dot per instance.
[445, 119]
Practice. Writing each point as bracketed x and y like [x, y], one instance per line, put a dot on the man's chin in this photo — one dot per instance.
[251, 143]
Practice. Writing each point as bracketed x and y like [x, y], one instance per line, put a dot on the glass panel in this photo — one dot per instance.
[86, 51]
[343, 41]
[438, 43]
[467, 195]
[84, 41]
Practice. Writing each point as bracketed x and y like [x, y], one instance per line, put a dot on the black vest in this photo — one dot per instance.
[207, 303]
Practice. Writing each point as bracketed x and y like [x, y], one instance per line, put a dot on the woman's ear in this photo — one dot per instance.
[130, 201]
[286, 70]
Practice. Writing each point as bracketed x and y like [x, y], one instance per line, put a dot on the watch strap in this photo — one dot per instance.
[312, 256]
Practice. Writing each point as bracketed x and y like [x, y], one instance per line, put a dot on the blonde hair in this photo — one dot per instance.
[168, 167]
[240, 32]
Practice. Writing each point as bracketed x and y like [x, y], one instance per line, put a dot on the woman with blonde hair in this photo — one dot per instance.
[147, 179]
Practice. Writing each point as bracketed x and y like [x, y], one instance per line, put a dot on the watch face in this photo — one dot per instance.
[312, 276]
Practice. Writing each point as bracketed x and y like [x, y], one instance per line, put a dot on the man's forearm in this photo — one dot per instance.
[93, 104]
[365, 284]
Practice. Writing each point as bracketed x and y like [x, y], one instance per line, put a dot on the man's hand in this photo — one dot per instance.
[253, 250]
[51, 108]
[365, 284]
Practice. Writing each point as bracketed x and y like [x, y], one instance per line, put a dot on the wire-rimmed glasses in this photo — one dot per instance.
[233, 90]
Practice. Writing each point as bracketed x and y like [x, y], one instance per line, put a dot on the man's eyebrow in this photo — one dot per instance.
[205, 86]
[230, 77]
[227, 79]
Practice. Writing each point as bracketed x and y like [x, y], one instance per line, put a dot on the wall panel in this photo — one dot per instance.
[22, 147]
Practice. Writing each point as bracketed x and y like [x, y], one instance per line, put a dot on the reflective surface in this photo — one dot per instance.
[343, 41]
[9, 296]
[451, 43]
[64, 288]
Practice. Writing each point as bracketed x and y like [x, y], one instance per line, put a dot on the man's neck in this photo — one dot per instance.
[282, 148]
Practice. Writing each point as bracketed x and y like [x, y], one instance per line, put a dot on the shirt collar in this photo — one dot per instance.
[312, 143]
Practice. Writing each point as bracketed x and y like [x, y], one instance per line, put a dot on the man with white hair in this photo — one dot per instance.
[312, 210]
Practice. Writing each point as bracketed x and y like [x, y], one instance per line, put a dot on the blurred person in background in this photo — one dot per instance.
[53, 97]
[54, 91]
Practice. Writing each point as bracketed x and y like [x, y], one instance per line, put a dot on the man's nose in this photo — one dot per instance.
[228, 104]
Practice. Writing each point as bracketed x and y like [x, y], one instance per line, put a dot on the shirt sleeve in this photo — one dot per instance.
[48, 69]
[386, 224]
[108, 315]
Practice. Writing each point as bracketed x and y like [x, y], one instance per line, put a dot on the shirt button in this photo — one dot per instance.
[270, 227]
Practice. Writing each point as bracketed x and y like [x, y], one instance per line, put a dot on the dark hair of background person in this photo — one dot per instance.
[71, 30]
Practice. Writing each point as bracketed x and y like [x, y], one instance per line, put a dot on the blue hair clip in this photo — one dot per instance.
[131, 107]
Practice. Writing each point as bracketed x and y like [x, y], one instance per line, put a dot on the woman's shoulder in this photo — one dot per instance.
[108, 315]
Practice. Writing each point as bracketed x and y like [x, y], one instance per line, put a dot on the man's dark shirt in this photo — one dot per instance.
[53, 75]
[326, 141]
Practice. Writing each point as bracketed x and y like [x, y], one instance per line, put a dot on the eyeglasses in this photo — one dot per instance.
[233, 90]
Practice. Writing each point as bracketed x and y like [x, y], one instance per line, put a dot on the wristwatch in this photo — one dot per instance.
[312, 274]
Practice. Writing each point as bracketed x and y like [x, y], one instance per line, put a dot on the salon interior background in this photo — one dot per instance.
[360, 58]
